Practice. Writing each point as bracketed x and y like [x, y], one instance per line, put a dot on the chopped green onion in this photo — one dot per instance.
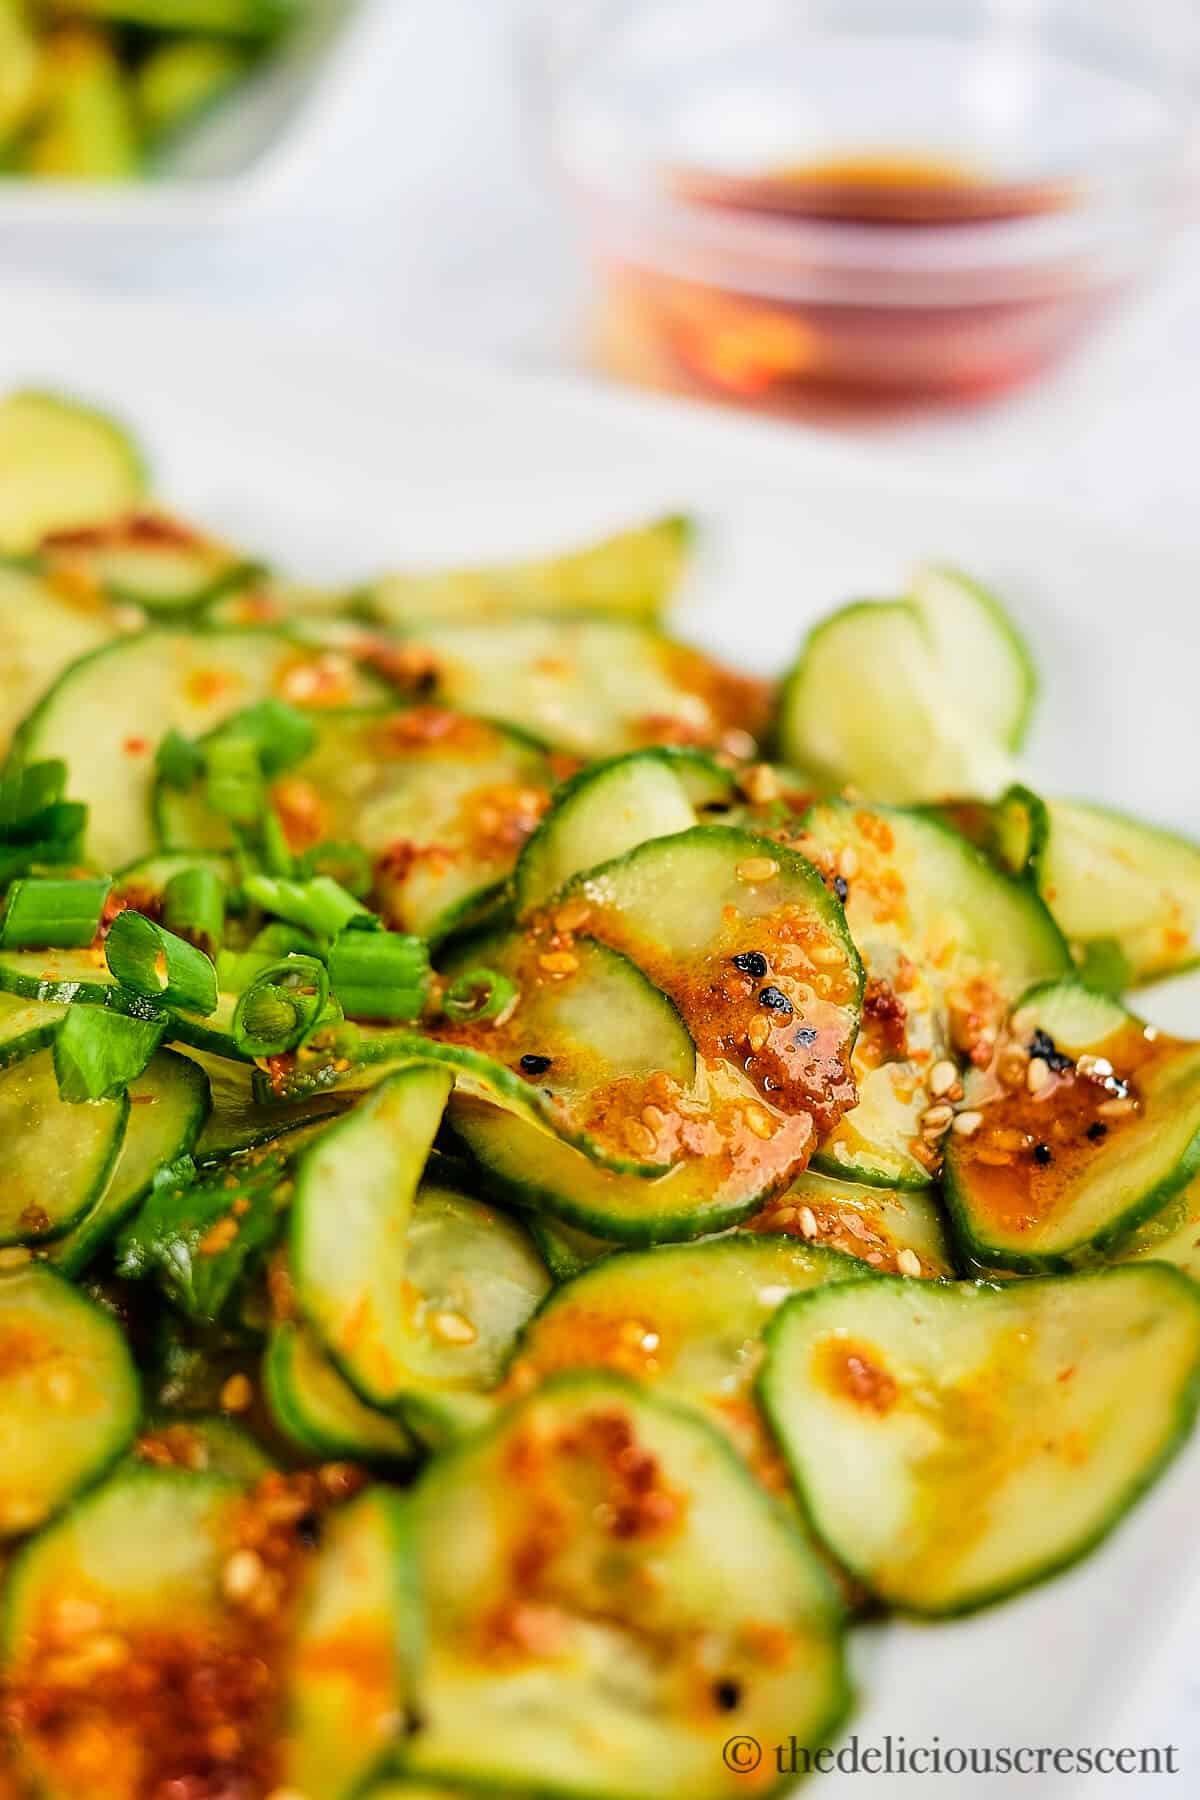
[281, 1006]
[178, 761]
[281, 735]
[478, 994]
[320, 905]
[236, 969]
[194, 907]
[157, 964]
[347, 864]
[234, 779]
[379, 974]
[26, 792]
[53, 915]
[273, 849]
[97, 1053]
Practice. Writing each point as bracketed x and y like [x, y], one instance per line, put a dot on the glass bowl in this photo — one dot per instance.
[792, 201]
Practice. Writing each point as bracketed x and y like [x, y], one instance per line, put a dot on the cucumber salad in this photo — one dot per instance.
[544, 1178]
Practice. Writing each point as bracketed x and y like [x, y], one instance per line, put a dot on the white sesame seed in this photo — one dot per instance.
[241, 1574]
[1095, 1068]
[1117, 1109]
[808, 1221]
[453, 1328]
[942, 1077]
[908, 1262]
[966, 1124]
[848, 863]
[936, 1120]
[1037, 1074]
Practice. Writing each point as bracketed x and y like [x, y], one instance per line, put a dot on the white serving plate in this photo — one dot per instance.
[256, 150]
[337, 462]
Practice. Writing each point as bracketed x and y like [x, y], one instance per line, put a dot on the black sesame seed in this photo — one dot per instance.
[535, 1065]
[752, 963]
[776, 999]
[1097, 1130]
[728, 1695]
[1042, 1154]
[308, 1530]
[841, 886]
[1043, 1045]
[807, 1034]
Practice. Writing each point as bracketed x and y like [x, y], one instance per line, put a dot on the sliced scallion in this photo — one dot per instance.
[347, 864]
[281, 1006]
[97, 1052]
[379, 974]
[321, 905]
[194, 907]
[478, 994]
[52, 915]
[160, 966]
[234, 779]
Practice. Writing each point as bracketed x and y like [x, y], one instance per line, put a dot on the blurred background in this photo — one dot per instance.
[965, 232]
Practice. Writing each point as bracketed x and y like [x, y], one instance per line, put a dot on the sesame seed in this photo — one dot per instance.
[775, 999]
[640, 1138]
[750, 962]
[942, 1077]
[1011, 1066]
[936, 1120]
[1095, 1068]
[1117, 1109]
[534, 1065]
[61, 1386]
[757, 868]
[1037, 1074]
[237, 1394]
[241, 1574]
[558, 962]
[908, 1262]
[452, 1328]
[966, 1124]
[760, 1121]
[848, 862]
[808, 1221]
[827, 956]
[758, 1031]
[760, 784]
[572, 916]
[654, 1117]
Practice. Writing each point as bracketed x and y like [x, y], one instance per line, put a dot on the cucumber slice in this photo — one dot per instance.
[144, 559]
[590, 1043]
[565, 1250]
[421, 1305]
[947, 938]
[237, 1121]
[318, 1410]
[590, 687]
[348, 1669]
[226, 18]
[632, 573]
[43, 633]
[25, 1026]
[893, 1230]
[1057, 1173]
[58, 1156]
[180, 81]
[955, 1442]
[686, 1320]
[130, 1579]
[69, 1395]
[212, 1445]
[1118, 885]
[607, 1596]
[440, 803]
[1011, 832]
[612, 807]
[85, 129]
[56, 977]
[1172, 1236]
[19, 57]
[168, 1104]
[979, 652]
[61, 464]
[869, 705]
[186, 680]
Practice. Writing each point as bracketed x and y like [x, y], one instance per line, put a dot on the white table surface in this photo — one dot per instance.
[431, 220]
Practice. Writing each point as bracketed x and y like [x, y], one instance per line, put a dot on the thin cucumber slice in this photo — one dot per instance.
[44, 631]
[949, 943]
[700, 914]
[19, 69]
[347, 1674]
[612, 807]
[589, 1041]
[349, 1226]
[419, 1311]
[955, 1442]
[25, 1026]
[319, 1410]
[981, 655]
[686, 1320]
[168, 1104]
[69, 1395]
[632, 573]
[56, 977]
[1092, 1143]
[61, 464]
[85, 130]
[440, 803]
[1172, 1236]
[209, 1445]
[130, 1578]
[1011, 831]
[181, 79]
[144, 559]
[588, 686]
[58, 1156]
[168, 679]
[668, 1606]
[226, 18]
[893, 1230]
[1119, 886]
[565, 1250]
[868, 704]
